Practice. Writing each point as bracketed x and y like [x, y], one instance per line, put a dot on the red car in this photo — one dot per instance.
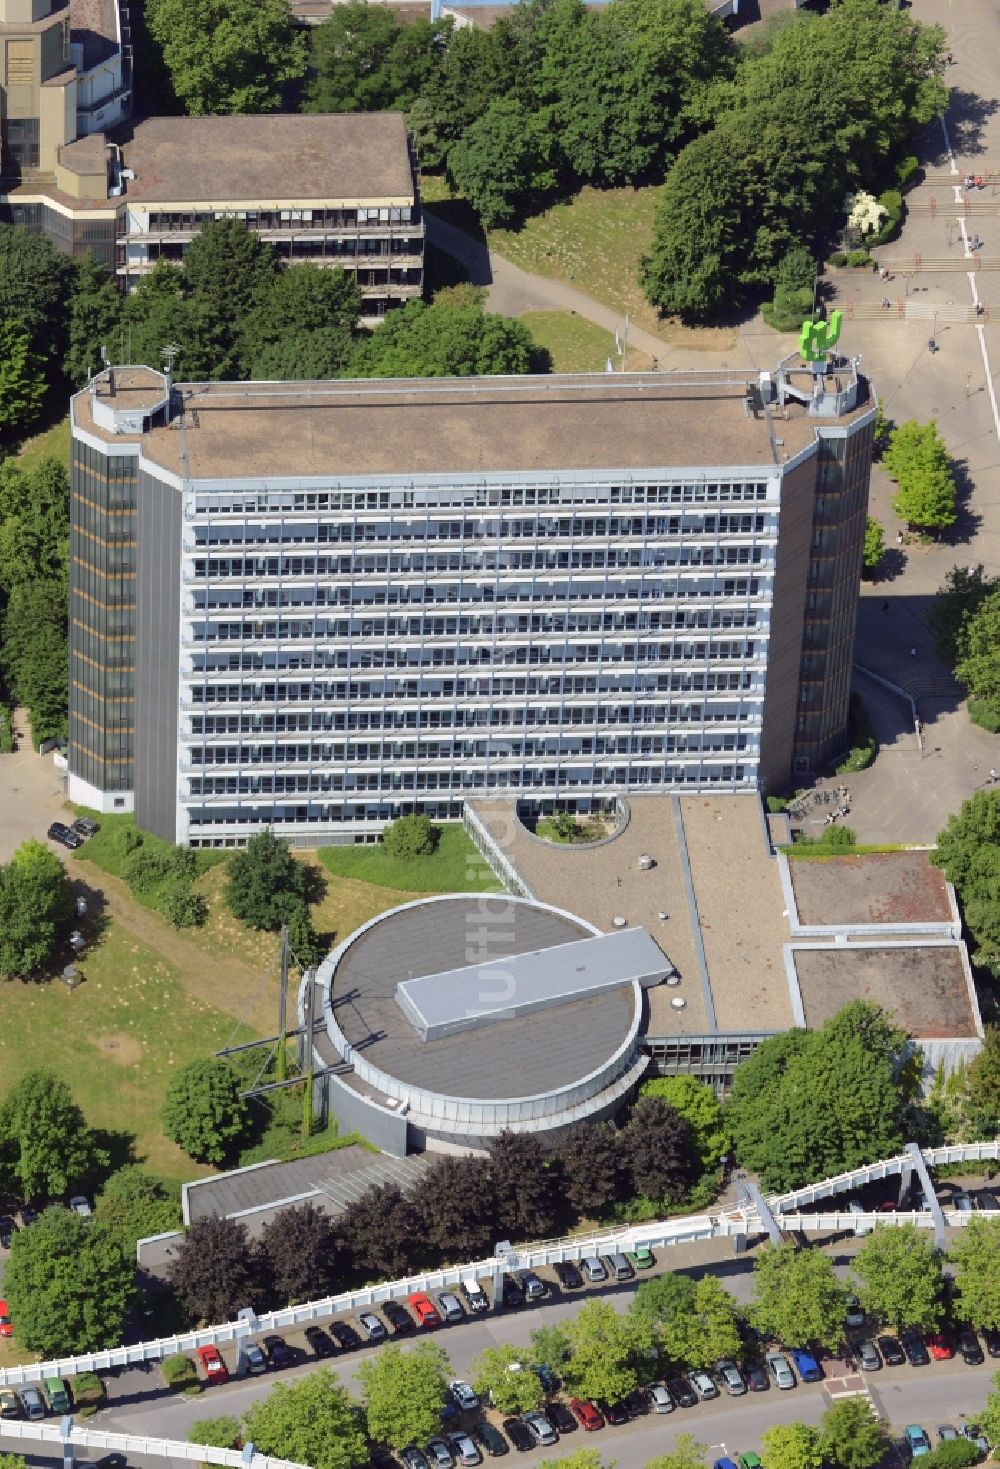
[425, 1310]
[940, 1347]
[214, 1367]
[6, 1325]
[587, 1414]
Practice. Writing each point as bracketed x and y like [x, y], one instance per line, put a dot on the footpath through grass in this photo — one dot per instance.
[455, 867]
[579, 345]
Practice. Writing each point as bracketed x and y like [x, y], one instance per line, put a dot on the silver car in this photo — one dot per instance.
[440, 1455]
[593, 1269]
[703, 1385]
[372, 1326]
[659, 1399]
[450, 1306]
[868, 1356]
[464, 1449]
[465, 1398]
[777, 1365]
[731, 1378]
[540, 1428]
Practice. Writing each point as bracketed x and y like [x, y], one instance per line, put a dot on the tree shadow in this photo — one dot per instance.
[968, 520]
[967, 115]
[120, 1148]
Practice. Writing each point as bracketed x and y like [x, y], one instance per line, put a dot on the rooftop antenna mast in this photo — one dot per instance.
[169, 353]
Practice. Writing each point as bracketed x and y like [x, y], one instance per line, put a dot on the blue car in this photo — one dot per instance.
[724, 1464]
[806, 1365]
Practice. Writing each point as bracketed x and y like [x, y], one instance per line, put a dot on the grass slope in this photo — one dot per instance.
[456, 867]
[576, 344]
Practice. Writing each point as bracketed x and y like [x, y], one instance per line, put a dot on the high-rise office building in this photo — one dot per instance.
[316, 606]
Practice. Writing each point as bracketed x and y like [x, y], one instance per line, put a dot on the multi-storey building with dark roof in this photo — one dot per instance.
[315, 606]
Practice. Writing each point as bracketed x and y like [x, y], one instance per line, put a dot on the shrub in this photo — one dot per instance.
[838, 258]
[839, 836]
[858, 259]
[789, 308]
[216, 1433]
[179, 1372]
[778, 803]
[981, 713]
[182, 907]
[411, 836]
[6, 732]
[126, 840]
[864, 745]
[88, 1394]
[906, 174]
[892, 202]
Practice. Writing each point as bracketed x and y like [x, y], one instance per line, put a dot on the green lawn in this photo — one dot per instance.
[576, 344]
[52, 442]
[456, 866]
[116, 1040]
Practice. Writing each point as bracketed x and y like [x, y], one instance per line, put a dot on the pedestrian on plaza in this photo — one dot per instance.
[993, 777]
[886, 303]
[913, 652]
[899, 538]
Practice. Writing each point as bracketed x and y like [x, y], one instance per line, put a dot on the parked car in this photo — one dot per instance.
[560, 1417]
[991, 1340]
[491, 1438]
[59, 832]
[533, 1287]
[545, 1375]
[975, 1435]
[868, 1357]
[964, 1204]
[540, 1428]
[806, 1365]
[703, 1385]
[465, 1398]
[659, 1398]
[941, 1349]
[615, 1413]
[892, 1351]
[398, 1316]
[682, 1392]
[473, 1295]
[757, 1378]
[969, 1348]
[319, 1342]
[29, 1216]
[854, 1317]
[731, 1378]
[277, 1351]
[80, 1205]
[255, 1359]
[567, 1275]
[641, 1258]
[518, 1434]
[511, 1294]
[450, 1306]
[464, 1449]
[593, 1269]
[946, 1432]
[750, 1461]
[212, 1365]
[345, 1336]
[85, 826]
[637, 1402]
[32, 1402]
[413, 1458]
[10, 1403]
[439, 1455]
[917, 1441]
[988, 1199]
[777, 1365]
[8, 1229]
[6, 1325]
[372, 1326]
[619, 1267]
[913, 1345]
[424, 1309]
[57, 1392]
[586, 1414]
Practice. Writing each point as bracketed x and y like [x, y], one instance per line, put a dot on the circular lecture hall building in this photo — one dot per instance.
[450, 1019]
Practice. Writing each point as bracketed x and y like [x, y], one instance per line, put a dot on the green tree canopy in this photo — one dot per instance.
[69, 1285]
[989, 1418]
[978, 666]
[850, 1437]
[36, 280]
[95, 314]
[43, 1133]
[874, 548]
[968, 852]
[218, 1433]
[791, 1446]
[963, 593]
[610, 1352]
[133, 1205]
[228, 55]
[33, 639]
[666, 1303]
[503, 162]
[954, 1453]
[981, 1102]
[687, 1453]
[364, 58]
[404, 1393]
[265, 883]
[444, 340]
[411, 836]
[918, 460]
[551, 1347]
[701, 1109]
[216, 1270]
[808, 1104]
[34, 523]
[899, 1275]
[977, 1279]
[36, 910]
[797, 1297]
[313, 1421]
[303, 322]
[203, 1111]
[22, 379]
[500, 1376]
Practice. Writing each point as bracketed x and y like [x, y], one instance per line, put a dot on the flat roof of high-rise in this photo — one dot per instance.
[271, 159]
[453, 426]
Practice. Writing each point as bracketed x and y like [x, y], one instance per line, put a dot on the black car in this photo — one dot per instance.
[614, 1413]
[519, 1434]
[277, 1351]
[513, 1295]
[992, 1340]
[345, 1336]
[382, 1459]
[413, 1457]
[756, 1376]
[892, 1353]
[255, 1359]
[8, 1229]
[491, 1438]
[560, 1417]
[969, 1349]
[568, 1275]
[319, 1342]
[58, 832]
[85, 826]
[682, 1392]
[913, 1346]
[637, 1402]
[398, 1316]
[28, 1216]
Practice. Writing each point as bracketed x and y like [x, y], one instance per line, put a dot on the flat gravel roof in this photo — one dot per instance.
[523, 1057]
[924, 988]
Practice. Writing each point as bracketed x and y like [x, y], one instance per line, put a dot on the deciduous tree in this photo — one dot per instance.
[797, 1297]
[990, 1416]
[850, 1437]
[378, 1232]
[364, 58]
[411, 836]
[313, 1421]
[503, 162]
[978, 665]
[133, 1205]
[302, 325]
[34, 523]
[590, 1162]
[300, 1253]
[404, 1393]
[687, 1453]
[34, 657]
[968, 852]
[22, 379]
[501, 1377]
[218, 1433]
[963, 593]
[36, 909]
[701, 1109]
[551, 1347]
[228, 55]
[791, 1446]
[666, 1304]
[454, 1209]
[525, 1187]
[69, 1285]
[899, 1274]
[215, 1270]
[657, 1144]
[873, 549]
[918, 460]
[609, 1351]
[45, 1136]
[95, 312]
[977, 1280]
[203, 1111]
[444, 340]
[981, 1102]
[264, 881]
